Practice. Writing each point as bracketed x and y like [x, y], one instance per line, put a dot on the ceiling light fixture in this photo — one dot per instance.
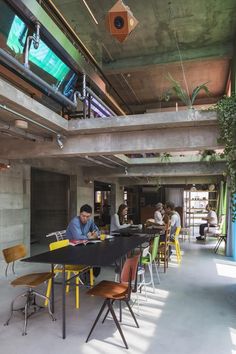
[126, 171]
[4, 166]
[22, 124]
[90, 11]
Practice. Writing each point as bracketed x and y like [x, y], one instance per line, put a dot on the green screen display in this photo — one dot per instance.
[43, 57]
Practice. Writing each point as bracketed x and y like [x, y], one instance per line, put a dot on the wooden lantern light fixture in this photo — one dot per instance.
[120, 21]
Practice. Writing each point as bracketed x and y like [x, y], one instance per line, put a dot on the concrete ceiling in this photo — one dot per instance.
[138, 69]
[199, 32]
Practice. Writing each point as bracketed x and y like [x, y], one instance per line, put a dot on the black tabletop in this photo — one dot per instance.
[98, 254]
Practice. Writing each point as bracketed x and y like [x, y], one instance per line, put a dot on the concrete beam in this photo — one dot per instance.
[144, 181]
[172, 159]
[165, 170]
[128, 65]
[24, 104]
[158, 140]
[141, 122]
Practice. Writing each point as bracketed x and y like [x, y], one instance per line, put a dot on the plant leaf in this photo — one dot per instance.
[197, 90]
[179, 91]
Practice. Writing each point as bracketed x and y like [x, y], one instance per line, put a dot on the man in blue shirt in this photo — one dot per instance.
[81, 227]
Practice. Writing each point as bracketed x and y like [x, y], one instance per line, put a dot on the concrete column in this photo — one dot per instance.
[117, 196]
[15, 206]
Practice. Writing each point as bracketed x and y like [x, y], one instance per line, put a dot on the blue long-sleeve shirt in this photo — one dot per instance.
[76, 230]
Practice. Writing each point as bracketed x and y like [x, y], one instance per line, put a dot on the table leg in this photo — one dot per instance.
[52, 290]
[63, 303]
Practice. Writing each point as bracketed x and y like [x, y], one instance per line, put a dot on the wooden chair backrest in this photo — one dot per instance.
[14, 253]
[129, 269]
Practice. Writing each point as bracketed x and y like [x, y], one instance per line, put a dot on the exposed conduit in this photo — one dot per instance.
[7, 60]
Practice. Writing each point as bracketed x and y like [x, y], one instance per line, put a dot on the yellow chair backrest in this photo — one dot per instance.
[177, 231]
[58, 244]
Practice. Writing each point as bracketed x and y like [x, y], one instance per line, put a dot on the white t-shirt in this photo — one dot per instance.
[158, 217]
[175, 222]
[212, 218]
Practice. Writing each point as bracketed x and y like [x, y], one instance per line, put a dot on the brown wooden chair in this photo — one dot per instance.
[112, 291]
[29, 281]
[163, 251]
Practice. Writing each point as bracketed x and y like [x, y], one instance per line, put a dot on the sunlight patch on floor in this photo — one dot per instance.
[226, 270]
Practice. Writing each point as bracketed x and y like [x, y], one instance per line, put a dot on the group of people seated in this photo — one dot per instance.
[162, 215]
[82, 227]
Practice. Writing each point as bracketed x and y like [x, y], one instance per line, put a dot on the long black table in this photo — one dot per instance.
[99, 254]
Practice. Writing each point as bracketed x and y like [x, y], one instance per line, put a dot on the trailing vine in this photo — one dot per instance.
[226, 112]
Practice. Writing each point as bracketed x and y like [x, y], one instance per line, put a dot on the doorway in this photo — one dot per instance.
[49, 205]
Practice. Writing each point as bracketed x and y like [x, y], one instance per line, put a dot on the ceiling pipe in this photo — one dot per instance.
[28, 119]
[88, 54]
[97, 162]
[115, 162]
[4, 127]
[36, 39]
[78, 94]
[12, 63]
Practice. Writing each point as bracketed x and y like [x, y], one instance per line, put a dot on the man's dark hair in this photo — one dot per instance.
[87, 208]
[170, 205]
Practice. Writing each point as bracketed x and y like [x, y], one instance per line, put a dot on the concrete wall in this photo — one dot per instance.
[15, 206]
[85, 191]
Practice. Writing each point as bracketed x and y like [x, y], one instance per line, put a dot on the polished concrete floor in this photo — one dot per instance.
[193, 310]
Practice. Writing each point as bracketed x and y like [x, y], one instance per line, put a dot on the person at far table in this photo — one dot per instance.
[118, 220]
[82, 227]
[211, 219]
[158, 215]
[174, 218]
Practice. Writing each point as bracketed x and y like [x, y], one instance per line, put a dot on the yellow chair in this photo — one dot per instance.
[75, 269]
[175, 243]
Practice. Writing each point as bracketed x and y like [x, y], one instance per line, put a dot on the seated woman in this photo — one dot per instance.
[158, 216]
[118, 220]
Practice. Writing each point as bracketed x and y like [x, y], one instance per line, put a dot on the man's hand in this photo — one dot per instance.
[92, 235]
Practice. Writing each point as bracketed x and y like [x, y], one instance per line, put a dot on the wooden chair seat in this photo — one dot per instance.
[31, 280]
[110, 290]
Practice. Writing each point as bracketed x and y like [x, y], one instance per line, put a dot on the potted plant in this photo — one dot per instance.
[177, 90]
[165, 157]
[226, 113]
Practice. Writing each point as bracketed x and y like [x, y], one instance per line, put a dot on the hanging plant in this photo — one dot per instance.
[226, 113]
[166, 157]
[210, 156]
[177, 90]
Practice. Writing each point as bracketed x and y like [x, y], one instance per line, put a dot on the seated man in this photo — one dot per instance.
[211, 219]
[81, 227]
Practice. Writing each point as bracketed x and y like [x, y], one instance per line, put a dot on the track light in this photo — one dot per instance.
[126, 171]
[59, 141]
